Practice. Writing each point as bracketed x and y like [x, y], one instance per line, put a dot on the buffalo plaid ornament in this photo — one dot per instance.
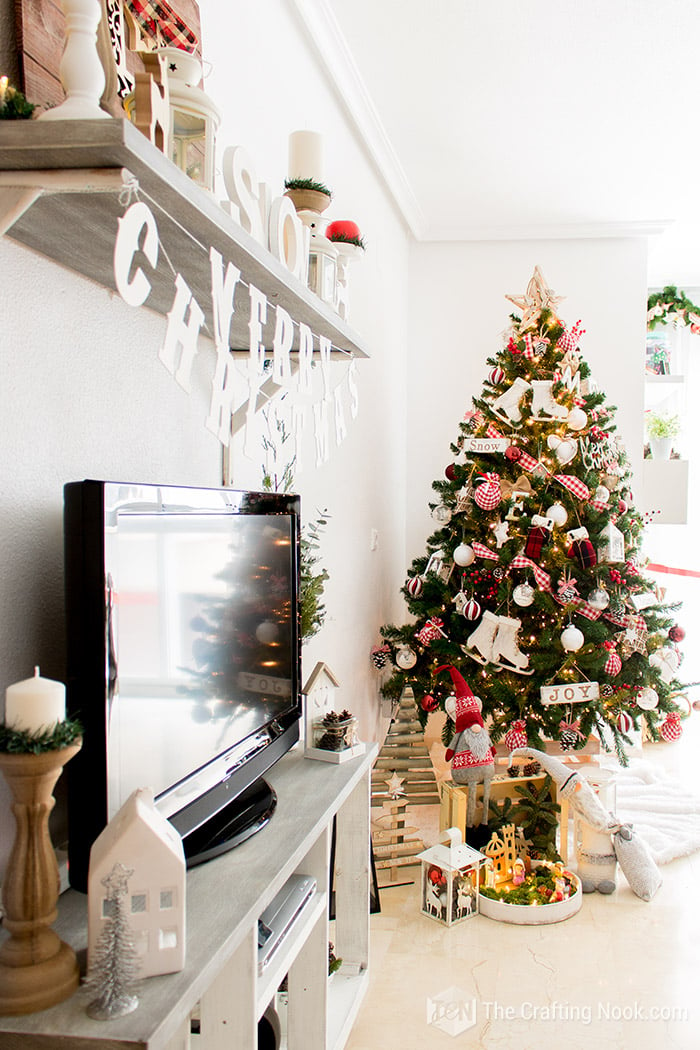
[537, 538]
[584, 553]
[613, 664]
[569, 734]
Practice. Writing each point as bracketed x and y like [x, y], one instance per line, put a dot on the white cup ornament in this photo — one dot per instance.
[572, 639]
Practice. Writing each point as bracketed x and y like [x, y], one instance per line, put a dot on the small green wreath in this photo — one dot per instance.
[672, 307]
[21, 742]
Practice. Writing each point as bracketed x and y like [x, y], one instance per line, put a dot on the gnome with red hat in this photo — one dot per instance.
[470, 752]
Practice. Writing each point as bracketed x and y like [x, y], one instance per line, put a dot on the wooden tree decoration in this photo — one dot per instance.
[405, 752]
[392, 841]
[116, 961]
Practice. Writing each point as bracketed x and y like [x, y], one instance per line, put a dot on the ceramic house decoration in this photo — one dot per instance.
[141, 838]
[450, 879]
[329, 736]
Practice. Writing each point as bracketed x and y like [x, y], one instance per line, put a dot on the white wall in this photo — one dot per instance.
[458, 313]
[84, 394]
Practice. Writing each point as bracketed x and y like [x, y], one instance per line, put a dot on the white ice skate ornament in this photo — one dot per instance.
[605, 840]
[544, 407]
[506, 407]
[495, 642]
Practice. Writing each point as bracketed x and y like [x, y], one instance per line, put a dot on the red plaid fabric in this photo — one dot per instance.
[584, 553]
[574, 485]
[544, 580]
[493, 432]
[529, 350]
[158, 20]
[482, 551]
[569, 339]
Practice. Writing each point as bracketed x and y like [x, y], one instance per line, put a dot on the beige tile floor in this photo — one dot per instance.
[620, 973]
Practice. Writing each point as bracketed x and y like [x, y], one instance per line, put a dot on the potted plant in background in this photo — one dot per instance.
[661, 429]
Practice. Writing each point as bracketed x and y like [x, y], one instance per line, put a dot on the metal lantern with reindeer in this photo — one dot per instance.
[450, 879]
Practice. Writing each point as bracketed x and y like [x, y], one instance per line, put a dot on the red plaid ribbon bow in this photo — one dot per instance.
[161, 23]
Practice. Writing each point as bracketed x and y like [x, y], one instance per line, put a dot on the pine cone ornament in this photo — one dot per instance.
[671, 728]
[516, 735]
[531, 769]
[514, 771]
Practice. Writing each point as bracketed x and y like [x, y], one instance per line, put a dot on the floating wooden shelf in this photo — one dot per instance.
[75, 222]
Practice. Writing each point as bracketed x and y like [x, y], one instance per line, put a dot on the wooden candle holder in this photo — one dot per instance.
[37, 969]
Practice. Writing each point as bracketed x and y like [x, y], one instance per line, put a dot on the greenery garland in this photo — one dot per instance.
[22, 742]
[307, 184]
[670, 306]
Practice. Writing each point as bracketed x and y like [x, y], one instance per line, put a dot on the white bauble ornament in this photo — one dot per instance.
[405, 658]
[442, 514]
[577, 419]
[599, 598]
[558, 514]
[414, 586]
[472, 610]
[571, 639]
[647, 699]
[564, 449]
[602, 494]
[463, 555]
[267, 632]
[524, 595]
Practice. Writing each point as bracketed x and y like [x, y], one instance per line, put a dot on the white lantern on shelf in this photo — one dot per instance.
[323, 267]
[194, 118]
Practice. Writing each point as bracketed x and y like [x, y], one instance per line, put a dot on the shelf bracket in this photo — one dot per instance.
[20, 189]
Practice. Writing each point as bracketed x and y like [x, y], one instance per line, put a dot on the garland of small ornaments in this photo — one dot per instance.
[671, 307]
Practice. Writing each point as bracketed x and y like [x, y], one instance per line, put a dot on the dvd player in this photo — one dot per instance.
[280, 914]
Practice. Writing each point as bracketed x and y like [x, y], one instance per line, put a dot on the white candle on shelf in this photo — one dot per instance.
[35, 704]
[306, 155]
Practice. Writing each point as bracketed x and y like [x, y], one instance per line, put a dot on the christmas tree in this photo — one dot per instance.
[532, 584]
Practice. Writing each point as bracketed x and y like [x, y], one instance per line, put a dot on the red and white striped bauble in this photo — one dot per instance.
[625, 722]
[516, 735]
[496, 376]
[671, 728]
[415, 586]
[472, 610]
[613, 664]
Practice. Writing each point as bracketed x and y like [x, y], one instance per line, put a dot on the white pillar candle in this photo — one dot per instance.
[306, 155]
[35, 704]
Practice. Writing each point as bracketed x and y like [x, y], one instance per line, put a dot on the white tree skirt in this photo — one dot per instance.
[662, 811]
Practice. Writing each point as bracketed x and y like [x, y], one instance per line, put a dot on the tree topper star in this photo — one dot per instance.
[537, 297]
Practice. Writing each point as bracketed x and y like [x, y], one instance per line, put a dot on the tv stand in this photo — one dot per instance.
[232, 825]
[220, 983]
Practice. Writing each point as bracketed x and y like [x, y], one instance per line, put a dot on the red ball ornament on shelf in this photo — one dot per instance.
[344, 230]
[676, 633]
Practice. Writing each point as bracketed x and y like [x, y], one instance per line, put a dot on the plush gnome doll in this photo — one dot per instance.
[470, 752]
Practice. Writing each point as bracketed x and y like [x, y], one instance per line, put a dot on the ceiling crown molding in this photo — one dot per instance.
[326, 37]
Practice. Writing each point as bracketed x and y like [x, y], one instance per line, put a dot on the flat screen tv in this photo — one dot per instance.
[184, 656]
